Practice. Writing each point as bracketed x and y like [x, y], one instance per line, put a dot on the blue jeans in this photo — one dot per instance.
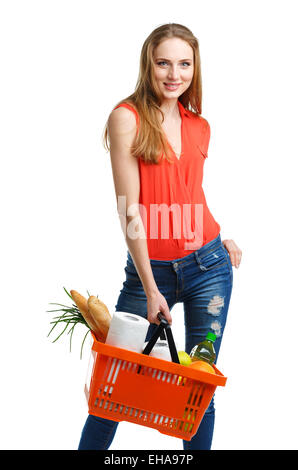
[203, 282]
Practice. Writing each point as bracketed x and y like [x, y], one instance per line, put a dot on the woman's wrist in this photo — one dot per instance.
[151, 292]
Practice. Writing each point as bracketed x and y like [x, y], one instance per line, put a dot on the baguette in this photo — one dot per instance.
[100, 314]
[82, 304]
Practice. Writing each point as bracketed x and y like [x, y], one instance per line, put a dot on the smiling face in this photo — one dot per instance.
[173, 65]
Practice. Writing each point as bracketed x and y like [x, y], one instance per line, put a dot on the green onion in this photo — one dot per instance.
[69, 316]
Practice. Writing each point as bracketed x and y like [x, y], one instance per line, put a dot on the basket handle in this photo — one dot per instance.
[163, 326]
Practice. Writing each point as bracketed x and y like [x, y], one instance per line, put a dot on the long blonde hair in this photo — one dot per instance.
[150, 141]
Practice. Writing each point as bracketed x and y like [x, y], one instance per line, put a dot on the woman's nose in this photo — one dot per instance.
[173, 73]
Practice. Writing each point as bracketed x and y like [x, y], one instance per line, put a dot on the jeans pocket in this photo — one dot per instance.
[213, 259]
[228, 261]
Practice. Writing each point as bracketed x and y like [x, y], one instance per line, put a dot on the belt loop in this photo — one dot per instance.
[197, 257]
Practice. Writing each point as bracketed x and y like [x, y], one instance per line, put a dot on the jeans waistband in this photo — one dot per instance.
[195, 255]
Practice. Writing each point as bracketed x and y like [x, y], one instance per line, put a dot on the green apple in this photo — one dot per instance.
[184, 358]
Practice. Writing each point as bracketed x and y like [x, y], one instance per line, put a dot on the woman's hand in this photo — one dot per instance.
[157, 303]
[234, 252]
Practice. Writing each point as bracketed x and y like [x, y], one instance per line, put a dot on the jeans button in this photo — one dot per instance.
[175, 265]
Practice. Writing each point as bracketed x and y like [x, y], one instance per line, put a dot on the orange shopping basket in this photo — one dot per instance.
[129, 386]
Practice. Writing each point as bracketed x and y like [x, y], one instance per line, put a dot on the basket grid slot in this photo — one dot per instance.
[111, 370]
[117, 367]
[175, 380]
[105, 374]
[190, 395]
[200, 396]
[196, 394]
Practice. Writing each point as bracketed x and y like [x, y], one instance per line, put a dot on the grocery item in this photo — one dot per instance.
[160, 350]
[100, 315]
[127, 331]
[205, 350]
[82, 304]
[184, 358]
[202, 366]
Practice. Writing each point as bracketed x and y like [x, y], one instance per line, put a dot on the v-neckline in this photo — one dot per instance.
[181, 135]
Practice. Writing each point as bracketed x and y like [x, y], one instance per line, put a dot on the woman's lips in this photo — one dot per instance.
[171, 87]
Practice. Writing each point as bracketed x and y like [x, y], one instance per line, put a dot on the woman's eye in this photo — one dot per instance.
[164, 62]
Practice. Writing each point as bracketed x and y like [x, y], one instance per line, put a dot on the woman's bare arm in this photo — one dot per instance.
[122, 130]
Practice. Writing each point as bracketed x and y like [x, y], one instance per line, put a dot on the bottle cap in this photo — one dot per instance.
[211, 336]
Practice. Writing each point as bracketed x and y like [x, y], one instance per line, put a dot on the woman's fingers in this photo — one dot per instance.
[234, 252]
[239, 255]
[157, 303]
[167, 315]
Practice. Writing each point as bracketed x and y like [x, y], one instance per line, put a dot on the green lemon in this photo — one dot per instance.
[184, 358]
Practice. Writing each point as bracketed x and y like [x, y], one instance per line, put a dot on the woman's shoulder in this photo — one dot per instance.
[126, 105]
[200, 129]
[198, 117]
[205, 124]
[125, 110]
[200, 124]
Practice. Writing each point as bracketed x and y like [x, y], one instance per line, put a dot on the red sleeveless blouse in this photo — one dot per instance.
[172, 203]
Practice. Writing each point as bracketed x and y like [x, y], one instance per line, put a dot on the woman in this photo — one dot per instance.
[175, 254]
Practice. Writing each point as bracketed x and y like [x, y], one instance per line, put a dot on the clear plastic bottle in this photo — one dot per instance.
[204, 351]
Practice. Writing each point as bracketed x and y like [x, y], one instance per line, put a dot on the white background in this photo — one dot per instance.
[65, 65]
